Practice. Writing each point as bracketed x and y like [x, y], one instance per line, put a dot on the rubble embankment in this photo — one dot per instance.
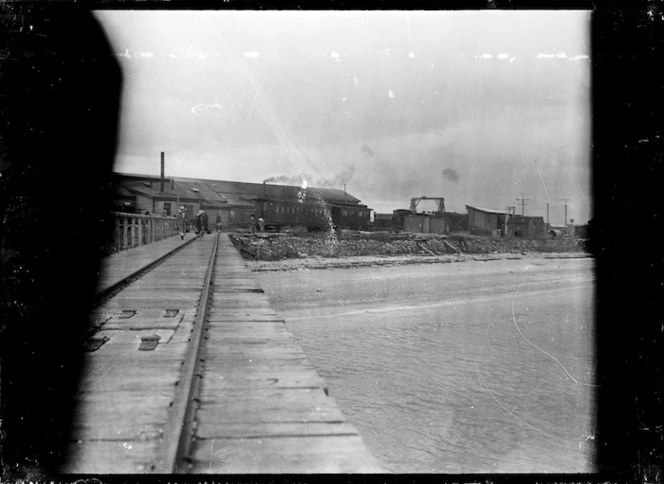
[284, 251]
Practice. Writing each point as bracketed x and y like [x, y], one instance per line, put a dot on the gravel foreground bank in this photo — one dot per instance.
[374, 261]
[285, 252]
[370, 261]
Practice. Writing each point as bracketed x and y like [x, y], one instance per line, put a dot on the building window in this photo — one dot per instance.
[344, 212]
[167, 208]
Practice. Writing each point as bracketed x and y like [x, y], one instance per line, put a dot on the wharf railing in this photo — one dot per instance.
[133, 230]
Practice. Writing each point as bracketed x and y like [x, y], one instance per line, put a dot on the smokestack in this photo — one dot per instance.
[162, 172]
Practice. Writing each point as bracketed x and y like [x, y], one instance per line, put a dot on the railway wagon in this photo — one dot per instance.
[313, 209]
[311, 215]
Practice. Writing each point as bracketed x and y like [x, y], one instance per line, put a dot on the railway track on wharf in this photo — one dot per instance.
[192, 371]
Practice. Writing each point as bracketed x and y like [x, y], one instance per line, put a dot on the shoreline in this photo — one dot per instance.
[352, 262]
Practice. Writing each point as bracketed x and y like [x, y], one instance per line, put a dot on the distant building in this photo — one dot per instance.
[143, 193]
[382, 221]
[486, 220]
[580, 231]
[525, 226]
[280, 205]
[425, 223]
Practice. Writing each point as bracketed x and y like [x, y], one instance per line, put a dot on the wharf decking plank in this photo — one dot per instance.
[249, 362]
[276, 327]
[111, 457]
[108, 416]
[144, 303]
[297, 378]
[240, 314]
[247, 430]
[264, 412]
[263, 406]
[313, 454]
[142, 323]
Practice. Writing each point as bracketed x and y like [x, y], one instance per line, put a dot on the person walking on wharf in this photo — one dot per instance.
[252, 225]
[202, 222]
[218, 221]
[261, 224]
[182, 222]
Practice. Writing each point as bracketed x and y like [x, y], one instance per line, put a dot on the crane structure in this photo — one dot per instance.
[440, 201]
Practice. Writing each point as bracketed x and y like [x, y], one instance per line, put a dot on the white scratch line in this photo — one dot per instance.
[500, 405]
[410, 36]
[542, 179]
[259, 89]
[530, 342]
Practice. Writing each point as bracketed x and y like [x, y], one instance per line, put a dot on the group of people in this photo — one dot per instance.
[201, 223]
[257, 225]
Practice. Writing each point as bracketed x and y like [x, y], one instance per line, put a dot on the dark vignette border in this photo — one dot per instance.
[627, 235]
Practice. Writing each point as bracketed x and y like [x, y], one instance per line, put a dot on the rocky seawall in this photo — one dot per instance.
[377, 248]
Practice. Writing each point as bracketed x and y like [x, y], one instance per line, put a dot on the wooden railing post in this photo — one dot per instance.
[125, 232]
[134, 230]
[116, 235]
[139, 223]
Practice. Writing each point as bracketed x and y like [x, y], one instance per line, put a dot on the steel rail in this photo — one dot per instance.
[179, 432]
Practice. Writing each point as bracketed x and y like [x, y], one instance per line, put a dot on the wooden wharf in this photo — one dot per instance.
[259, 406]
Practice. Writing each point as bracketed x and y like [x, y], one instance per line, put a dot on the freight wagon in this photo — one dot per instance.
[313, 209]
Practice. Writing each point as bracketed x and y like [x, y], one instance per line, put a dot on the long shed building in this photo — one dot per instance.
[279, 205]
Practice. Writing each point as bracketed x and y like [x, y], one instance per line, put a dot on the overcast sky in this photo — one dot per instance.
[478, 107]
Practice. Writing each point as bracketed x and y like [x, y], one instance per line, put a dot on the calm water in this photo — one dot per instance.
[454, 368]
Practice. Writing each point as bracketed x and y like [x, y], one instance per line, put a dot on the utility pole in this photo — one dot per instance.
[547, 213]
[523, 203]
[565, 210]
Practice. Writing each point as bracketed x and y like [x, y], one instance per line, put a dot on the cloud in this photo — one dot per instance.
[335, 56]
[450, 174]
[544, 55]
[579, 57]
[366, 149]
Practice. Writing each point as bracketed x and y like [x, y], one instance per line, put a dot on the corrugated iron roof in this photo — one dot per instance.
[487, 210]
[230, 192]
[524, 219]
[279, 192]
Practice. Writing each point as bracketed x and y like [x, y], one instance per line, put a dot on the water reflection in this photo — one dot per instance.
[456, 387]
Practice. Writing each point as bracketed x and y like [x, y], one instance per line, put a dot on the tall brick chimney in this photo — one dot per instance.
[162, 172]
